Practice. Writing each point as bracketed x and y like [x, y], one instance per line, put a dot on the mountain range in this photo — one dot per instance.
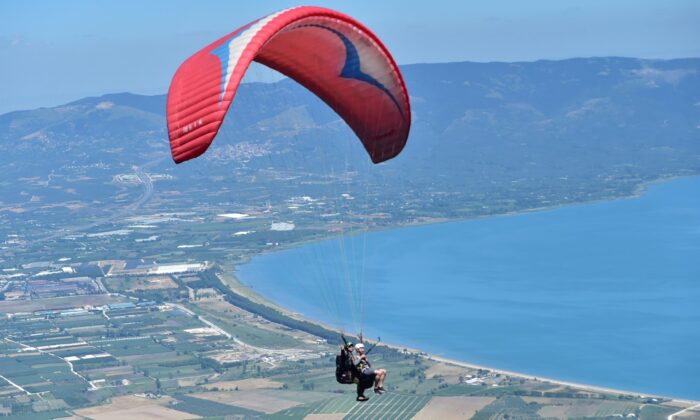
[531, 134]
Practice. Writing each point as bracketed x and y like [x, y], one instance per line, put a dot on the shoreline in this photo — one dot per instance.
[244, 290]
[434, 357]
[585, 387]
[639, 191]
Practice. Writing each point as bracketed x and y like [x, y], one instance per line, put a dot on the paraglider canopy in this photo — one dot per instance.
[331, 54]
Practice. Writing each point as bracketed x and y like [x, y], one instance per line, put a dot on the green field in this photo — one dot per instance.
[390, 406]
[206, 408]
[247, 333]
[154, 349]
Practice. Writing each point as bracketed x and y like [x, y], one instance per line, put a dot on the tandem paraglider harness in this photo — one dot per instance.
[345, 371]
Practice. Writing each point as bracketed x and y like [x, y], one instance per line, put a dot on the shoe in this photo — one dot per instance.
[362, 398]
[379, 390]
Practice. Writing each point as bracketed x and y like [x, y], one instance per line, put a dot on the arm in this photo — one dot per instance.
[379, 340]
[367, 363]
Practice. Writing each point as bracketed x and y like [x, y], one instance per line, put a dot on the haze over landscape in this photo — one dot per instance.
[131, 286]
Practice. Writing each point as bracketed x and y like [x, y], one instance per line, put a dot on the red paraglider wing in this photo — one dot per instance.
[329, 53]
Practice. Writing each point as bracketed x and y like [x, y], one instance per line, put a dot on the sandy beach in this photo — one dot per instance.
[245, 291]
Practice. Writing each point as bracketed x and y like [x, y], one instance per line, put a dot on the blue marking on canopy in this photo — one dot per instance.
[352, 68]
[222, 52]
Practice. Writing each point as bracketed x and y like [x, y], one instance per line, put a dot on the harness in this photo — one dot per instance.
[364, 364]
[344, 369]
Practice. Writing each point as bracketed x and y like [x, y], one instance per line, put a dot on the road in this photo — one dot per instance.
[678, 413]
[16, 386]
[147, 184]
[70, 365]
[204, 320]
[285, 352]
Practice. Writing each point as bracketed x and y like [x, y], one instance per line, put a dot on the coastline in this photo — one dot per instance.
[639, 191]
[243, 289]
[585, 387]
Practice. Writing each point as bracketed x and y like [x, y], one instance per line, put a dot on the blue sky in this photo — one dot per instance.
[57, 51]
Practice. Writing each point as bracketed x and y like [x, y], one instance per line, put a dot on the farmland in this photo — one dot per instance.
[182, 339]
[116, 355]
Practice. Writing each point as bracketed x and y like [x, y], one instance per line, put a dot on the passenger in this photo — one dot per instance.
[367, 375]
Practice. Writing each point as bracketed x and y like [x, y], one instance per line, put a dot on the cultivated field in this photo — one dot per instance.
[57, 303]
[245, 384]
[453, 407]
[563, 408]
[134, 408]
[268, 401]
[391, 405]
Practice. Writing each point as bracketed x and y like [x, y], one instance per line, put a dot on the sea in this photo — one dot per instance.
[604, 293]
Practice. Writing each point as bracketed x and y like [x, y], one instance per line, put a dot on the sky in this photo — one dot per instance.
[53, 52]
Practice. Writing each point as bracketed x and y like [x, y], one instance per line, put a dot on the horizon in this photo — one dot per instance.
[92, 48]
[279, 77]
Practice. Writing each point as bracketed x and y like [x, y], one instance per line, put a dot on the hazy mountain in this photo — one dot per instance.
[579, 129]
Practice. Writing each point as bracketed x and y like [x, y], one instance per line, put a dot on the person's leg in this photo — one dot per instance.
[361, 391]
[381, 375]
[370, 377]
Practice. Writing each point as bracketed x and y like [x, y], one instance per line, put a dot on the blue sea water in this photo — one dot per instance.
[606, 294]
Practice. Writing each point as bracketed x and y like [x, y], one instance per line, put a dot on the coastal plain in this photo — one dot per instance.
[117, 295]
[117, 355]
